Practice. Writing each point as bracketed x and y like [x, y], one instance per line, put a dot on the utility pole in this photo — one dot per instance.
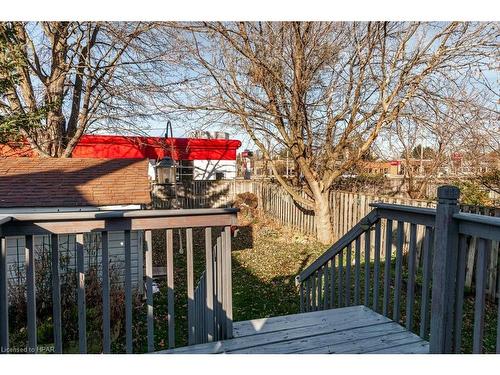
[287, 163]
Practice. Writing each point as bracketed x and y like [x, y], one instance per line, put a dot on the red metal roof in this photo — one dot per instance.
[117, 146]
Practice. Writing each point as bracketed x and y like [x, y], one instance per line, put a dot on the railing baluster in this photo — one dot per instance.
[203, 288]
[399, 266]
[313, 277]
[326, 294]
[218, 276]
[106, 346]
[190, 284]
[308, 295]
[170, 289]
[376, 269]
[339, 278]
[4, 298]
[426, 272]
[82, 314]
[410, 292]
[481, 275]
[149, 290]
[498, 329]
[320, 288]
[348, 276]
[202, 310]
[459, 296]
[223, 287]
[216, 292]
[332, 283]
[367, 267]
[31, 293]
[128, 292]
[301, 292]
[201, 318]
[228, 282]
[196, 306]
[200, 305]
[356, 270]
[209, 274]
[56, 293]
[387, 267]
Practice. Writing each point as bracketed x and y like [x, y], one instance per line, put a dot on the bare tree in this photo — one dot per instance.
[77, 76]
[457, 126]
[314, 88]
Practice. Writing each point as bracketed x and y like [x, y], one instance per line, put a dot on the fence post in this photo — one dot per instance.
[444, 269]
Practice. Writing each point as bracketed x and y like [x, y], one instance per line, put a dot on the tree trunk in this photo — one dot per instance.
[324, 227]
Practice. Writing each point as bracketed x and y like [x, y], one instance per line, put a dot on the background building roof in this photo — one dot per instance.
[118, 146]
[51, 182]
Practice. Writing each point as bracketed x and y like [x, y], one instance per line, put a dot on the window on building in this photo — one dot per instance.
[185, 170]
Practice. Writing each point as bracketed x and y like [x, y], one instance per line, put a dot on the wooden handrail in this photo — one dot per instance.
[410, 214]
[113, 214]
[99, 221]
[350, 236]
[417, 215]
[487, 227]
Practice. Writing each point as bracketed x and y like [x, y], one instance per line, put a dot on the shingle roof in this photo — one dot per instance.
[51, 182]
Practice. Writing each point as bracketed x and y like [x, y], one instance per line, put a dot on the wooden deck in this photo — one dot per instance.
[356, 329]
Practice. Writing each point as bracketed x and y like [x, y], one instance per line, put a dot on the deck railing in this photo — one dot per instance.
[376, 264]
[216, 306]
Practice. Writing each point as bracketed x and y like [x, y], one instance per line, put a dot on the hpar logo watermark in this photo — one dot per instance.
[24, 350]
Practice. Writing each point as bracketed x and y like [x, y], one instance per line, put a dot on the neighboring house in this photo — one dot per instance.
[455, 165]
[203, 157]
[62, 185]
[472, 165]
[391, 168]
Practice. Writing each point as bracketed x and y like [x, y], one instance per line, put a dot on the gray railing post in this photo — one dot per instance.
[444, 270]
[4, 298]
[228, 283]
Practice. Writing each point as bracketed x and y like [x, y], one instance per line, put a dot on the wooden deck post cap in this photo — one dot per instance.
[447, 193]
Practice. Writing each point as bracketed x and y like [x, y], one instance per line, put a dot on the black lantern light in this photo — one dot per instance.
[166, 171]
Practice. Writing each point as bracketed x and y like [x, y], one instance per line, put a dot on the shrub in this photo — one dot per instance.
[247, 203]
[69, 303]
[472, 193]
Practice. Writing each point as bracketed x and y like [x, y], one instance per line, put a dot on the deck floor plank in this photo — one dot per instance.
[279, 323]
[355, 329]
[380, 340]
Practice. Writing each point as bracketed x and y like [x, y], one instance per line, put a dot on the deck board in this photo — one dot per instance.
[355, 329]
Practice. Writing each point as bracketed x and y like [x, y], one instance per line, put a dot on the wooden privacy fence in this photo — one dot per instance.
[208, 319]
[364, 266]
[347, 208]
